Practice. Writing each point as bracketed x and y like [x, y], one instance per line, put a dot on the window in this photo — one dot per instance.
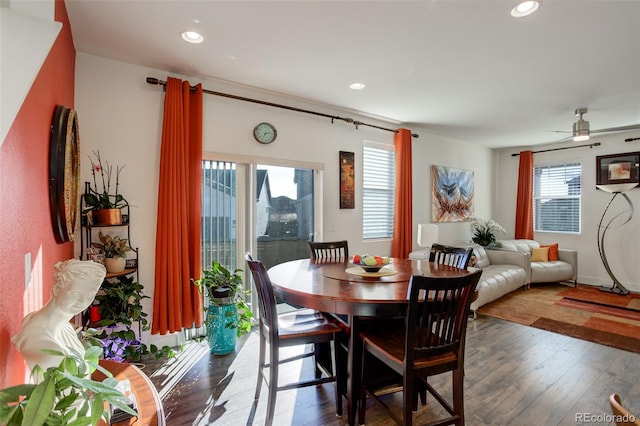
[556, 198]
[378, 181]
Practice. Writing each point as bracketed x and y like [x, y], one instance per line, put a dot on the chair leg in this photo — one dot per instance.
[263, 344]
[458, 394]
[334, 365]
[362, 403]
[422, 392]
[274, 363]
[409, 399]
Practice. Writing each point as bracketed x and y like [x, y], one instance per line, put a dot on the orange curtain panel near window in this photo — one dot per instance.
[403, 218]
[524, 203]
[177, 303]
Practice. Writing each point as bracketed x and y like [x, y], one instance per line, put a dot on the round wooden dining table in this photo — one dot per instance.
[352, 294]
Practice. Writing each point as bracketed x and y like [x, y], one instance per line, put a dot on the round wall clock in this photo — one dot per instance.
[265, 133]
[64, 173]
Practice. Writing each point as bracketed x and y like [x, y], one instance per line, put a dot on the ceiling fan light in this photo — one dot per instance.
[581, 131]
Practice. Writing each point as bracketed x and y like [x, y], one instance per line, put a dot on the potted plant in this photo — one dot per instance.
[104, 207]
[228, 316]
[115, 251]
[484, 231]
[120, 307]
[66, 394]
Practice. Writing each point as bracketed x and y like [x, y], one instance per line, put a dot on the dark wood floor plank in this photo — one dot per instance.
[514, 375]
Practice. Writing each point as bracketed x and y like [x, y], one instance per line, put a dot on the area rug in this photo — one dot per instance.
[583, 312]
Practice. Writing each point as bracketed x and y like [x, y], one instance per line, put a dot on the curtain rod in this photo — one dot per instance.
[155, 81]
[591, 145]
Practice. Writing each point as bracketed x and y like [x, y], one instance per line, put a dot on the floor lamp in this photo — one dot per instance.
[615, 190]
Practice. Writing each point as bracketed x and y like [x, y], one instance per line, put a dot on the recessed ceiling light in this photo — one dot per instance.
[357, 86]
[192, 37]
[525, 8]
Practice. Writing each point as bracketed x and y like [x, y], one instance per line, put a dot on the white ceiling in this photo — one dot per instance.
[463, 69]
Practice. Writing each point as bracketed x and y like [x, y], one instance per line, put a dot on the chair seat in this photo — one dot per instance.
[304, 323]
[390, 345]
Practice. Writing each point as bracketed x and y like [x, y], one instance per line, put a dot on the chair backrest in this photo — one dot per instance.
[267, 299]
[457, 257]
[330, 251]
[438, 309]
[621, 415]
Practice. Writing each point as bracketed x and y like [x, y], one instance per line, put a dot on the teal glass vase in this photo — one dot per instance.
[222, 339]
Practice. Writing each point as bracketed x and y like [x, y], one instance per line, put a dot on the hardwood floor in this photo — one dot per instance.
[515, 375]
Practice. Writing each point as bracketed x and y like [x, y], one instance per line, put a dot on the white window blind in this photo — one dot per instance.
[556, 198]
[378, 181]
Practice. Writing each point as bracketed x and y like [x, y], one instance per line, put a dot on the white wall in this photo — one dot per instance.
[27, 32]
[121, 115]
[622, 245]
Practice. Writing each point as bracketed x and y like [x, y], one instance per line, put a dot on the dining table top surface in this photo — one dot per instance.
[345, 288]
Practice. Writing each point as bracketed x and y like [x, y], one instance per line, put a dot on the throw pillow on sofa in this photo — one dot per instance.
[553, 250]
[540, 254]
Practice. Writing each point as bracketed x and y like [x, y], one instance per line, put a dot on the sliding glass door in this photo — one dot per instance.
[267, 210]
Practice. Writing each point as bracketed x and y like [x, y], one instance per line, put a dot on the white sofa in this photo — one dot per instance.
[563, 269]
[502, 273]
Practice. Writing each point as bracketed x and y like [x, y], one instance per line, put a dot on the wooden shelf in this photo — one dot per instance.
[119, 274]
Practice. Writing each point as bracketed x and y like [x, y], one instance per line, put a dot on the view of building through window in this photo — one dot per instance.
[284, 213]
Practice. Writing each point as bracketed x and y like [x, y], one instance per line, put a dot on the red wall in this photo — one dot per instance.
[25, 225]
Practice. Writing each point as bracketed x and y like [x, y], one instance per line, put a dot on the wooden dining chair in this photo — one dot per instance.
[622, 416]
[300, 327]
[430, 341]
[330, 251]
[457, 257]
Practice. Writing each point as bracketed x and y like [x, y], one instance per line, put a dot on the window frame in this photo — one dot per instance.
[387, 206]
[536, 199]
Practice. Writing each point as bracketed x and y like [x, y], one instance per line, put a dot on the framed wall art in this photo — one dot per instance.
[451, 195]
[347, 180]
[618, 168]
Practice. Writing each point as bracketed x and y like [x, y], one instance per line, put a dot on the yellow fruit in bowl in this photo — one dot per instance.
[386, 260]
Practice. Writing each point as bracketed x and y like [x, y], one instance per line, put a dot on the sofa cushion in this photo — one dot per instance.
[518, 245]
[482, 259]
[496, 281]
[540, 254]
[551, 271]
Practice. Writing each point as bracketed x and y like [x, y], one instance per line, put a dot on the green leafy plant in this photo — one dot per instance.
[484, 231]
[112, 246]
[120, 305]
[66, 395]
[99, 197]
[222, 285]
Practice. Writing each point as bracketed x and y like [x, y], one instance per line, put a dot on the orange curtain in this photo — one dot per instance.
[177, 303]
[403, 218]
[524, 203]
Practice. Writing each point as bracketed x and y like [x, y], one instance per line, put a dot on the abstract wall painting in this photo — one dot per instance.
[451, 195]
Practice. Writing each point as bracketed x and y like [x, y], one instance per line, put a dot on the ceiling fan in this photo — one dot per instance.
[581, 130]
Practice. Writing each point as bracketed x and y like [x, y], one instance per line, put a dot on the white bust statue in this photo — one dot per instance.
[75, 285]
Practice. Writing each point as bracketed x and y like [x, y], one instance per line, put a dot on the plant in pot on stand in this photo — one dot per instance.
[115, 252]
[228, 316]
[102, 207]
